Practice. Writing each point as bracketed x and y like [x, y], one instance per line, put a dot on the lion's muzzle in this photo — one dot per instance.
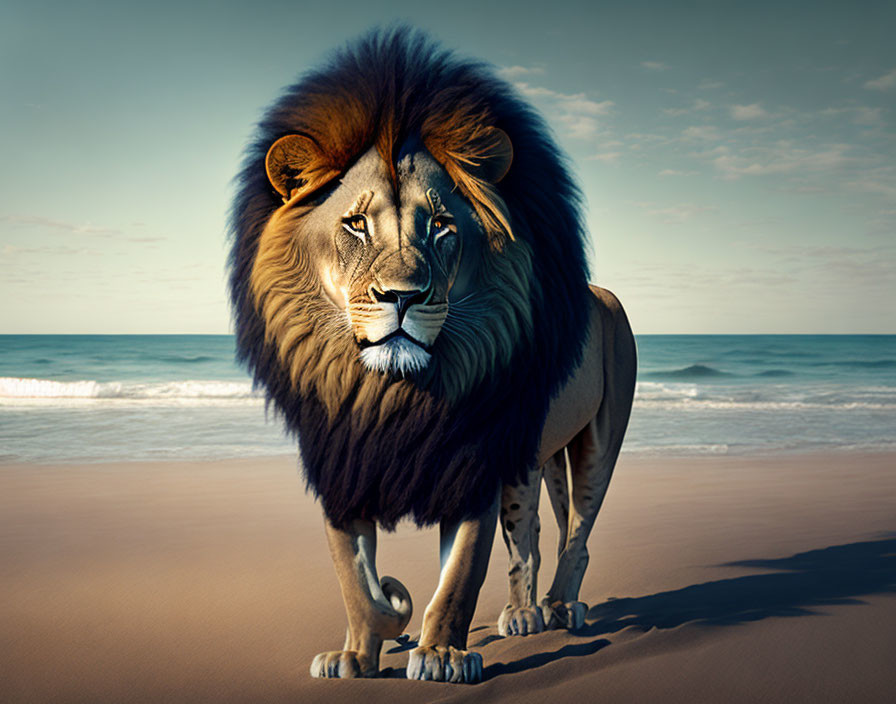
[396, 336]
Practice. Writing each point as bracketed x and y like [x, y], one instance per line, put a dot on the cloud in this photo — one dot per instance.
[675, 214]
[576, 113]
[655, 65]
[822, 263]
[702, 132]
[606, 157]
[707, 84]
[861, 114]
[514, 73]
[571, 102]
[884, 83]
[578, 126]
[697, 106]
[883, 223]
[753, 111]
[804, 189]
[781, 158]
[639, 140]
[38, 221]
[676, 172]
[709, 280]
[11, 250]
[870, 185]
[92, 231]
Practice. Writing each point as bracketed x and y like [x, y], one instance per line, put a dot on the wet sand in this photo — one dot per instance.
[711, 579]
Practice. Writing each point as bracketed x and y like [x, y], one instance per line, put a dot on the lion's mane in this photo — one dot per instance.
[395, 447]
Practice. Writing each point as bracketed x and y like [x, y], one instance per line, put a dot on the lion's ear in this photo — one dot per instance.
[288, 159]
[491, 155]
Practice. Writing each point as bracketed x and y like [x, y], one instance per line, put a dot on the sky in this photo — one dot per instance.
[738, 160]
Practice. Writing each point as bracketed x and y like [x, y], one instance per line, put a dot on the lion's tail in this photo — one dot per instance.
[400, 599]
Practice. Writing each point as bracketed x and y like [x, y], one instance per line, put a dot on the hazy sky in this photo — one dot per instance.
[738, 159]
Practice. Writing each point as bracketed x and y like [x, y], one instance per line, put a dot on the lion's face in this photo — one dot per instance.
[390, 266]
[391, 256]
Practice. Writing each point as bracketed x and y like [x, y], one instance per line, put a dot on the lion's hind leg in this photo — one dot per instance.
[571, 612]
[556, 478]
[592, 456]
[520, 529]
[589, 473]
[377, 609]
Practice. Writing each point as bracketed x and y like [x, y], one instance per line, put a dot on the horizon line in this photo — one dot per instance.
[637, 334]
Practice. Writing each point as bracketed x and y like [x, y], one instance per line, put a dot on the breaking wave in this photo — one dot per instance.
[25, 391]
[656, 395]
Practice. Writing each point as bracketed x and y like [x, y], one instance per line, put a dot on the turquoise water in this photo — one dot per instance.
[742, 394]
[98, 398]
[119, 358]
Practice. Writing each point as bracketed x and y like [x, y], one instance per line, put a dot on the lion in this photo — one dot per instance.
[409, 286]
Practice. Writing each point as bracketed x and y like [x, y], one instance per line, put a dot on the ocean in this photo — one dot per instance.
[95, 398]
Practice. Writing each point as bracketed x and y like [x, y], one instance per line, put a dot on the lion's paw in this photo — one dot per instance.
[444, 664]
[570, 615]
[344, 664]
[520, 620]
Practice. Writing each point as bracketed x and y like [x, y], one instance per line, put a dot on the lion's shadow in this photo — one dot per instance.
[829, 576]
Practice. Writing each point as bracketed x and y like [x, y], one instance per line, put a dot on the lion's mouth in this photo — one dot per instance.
[397, 345]
[396, 353]
[397, 333]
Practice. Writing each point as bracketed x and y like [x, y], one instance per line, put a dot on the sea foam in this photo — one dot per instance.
[28, 391]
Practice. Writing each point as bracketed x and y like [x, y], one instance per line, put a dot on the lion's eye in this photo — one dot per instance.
[440, 225]
[356, 225]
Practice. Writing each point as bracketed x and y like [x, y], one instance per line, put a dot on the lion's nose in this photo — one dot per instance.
[402, 299]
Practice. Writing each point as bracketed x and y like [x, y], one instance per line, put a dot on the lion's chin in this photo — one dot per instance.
[398, 356]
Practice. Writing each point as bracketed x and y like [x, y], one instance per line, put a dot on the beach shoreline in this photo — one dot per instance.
[712, 578]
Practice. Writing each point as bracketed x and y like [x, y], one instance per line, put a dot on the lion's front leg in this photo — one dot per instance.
[377, 610]
[465, 547]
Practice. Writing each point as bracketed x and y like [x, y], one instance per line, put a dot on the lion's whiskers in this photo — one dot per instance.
[464, 326]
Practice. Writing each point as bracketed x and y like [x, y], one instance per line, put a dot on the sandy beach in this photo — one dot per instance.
[712, 579]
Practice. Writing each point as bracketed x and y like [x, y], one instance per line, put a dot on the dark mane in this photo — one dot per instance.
[426, 458]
